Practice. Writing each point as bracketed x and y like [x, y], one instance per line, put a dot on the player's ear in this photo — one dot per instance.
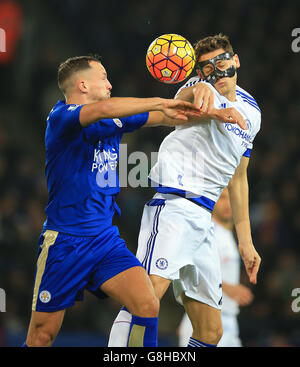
[82, 86]
[236, 61]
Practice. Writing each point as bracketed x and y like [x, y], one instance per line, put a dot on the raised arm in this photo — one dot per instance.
[202, 95]
[238, 193]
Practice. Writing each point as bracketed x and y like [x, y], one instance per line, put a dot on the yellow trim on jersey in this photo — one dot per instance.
[49, 240]
[136, 338]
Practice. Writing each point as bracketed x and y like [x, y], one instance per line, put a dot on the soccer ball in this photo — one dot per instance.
[170, 58]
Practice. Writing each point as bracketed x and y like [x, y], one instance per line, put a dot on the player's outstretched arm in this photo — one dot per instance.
[174, 112]
[223, 115]
[238, 193]
[127, 106]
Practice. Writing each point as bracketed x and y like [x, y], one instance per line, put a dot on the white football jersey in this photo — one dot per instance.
[230, 264]
[202, 157]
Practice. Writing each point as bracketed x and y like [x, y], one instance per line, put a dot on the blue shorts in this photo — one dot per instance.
[68, 264]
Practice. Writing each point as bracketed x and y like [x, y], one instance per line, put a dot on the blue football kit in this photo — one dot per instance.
[79, 248]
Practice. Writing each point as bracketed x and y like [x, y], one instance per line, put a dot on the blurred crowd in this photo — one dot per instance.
[42, 34]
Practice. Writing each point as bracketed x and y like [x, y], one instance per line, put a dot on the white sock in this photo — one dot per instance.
[119, 332]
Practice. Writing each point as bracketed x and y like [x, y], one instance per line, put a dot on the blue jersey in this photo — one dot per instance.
[81, 169]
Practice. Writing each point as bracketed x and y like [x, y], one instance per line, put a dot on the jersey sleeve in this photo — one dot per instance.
[134, 122]
[256, 129]
[64, 121]
[192, 81]
[111, 127]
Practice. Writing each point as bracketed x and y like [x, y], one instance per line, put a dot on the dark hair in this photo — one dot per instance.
[72, 65]
[212, 43]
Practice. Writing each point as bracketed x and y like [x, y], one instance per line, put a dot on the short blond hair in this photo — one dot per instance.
[73, 65]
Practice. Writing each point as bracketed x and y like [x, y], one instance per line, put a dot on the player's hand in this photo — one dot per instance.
[203, 97]
[177, 109]
[230, 115]
[240, 293]
[251, 261]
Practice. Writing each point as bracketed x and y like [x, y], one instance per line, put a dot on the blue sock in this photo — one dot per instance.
[199, 344]
[143, 332]
[24, 345]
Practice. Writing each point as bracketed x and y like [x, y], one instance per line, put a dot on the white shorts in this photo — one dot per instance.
[175, 242]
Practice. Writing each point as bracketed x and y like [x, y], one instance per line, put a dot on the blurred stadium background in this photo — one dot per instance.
[40, 35]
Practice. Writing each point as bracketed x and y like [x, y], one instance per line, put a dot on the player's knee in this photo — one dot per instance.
[155, 306]
[218, 332]
[211, 333]
[40, 338]
[214, 332]
[148, 307]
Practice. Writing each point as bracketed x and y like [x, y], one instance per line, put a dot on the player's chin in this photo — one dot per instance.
[103, 97]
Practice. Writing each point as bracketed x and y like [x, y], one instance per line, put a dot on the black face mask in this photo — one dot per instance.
[217, 74]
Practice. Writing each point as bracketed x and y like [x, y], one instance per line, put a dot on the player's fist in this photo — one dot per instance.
[238, 292]
[251, 261]
[203, 97]
[243, 295]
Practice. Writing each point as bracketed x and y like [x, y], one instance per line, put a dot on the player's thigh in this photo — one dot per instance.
[202, 315]
[132, 288]
[46, 322]
[160, 285]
